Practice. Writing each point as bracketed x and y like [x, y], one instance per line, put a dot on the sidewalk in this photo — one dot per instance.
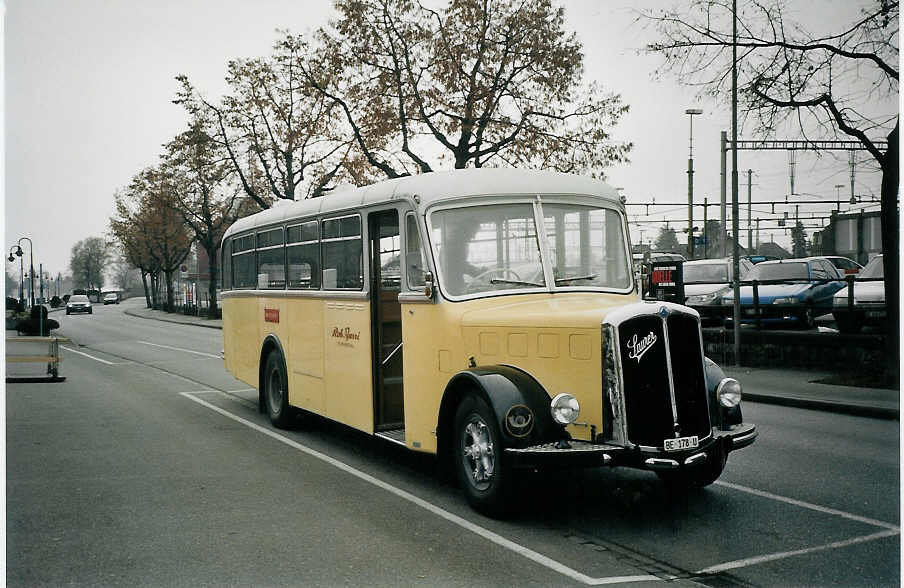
[785, 387]
[142, 311]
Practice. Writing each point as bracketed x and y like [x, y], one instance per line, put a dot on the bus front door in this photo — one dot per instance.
[385, 271]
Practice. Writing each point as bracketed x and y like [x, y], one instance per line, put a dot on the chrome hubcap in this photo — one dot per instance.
[275, 391]
[478, 453]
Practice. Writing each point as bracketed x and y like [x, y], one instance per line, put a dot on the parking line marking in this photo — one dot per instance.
[180, 349]
[742, 563]
[94, 358]
[499, 540]
[811, 506]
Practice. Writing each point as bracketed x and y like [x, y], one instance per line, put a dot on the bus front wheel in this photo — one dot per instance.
[478, 455]
[276, 391]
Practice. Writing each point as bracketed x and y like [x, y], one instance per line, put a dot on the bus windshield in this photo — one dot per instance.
[497, 247]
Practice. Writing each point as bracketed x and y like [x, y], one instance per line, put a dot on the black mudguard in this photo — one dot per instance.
[520, 404]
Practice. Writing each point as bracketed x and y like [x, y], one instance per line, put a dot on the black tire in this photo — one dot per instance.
[696, 476]
[275, 388]
[808, 318]
[67, 312]
[90, 311]
[479, 459]
[848, 323]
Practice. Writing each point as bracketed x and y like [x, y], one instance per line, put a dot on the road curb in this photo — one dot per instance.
[876, 412]
[169, 320]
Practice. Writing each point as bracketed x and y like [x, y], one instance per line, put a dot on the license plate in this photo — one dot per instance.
[680, 443]
[876, 314]
[750, 311]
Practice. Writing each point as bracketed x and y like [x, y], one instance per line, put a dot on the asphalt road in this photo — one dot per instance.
[151, 466]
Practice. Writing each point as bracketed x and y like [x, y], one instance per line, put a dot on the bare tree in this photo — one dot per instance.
[149, 227]
[482, 82]
[843, 83]
[278, 133]
[88, 261]
[203, 193]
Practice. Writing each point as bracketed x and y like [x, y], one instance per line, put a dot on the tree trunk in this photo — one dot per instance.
[170, 295]
[155, 290]
[890, 240]
[212, 284]
[147, 293]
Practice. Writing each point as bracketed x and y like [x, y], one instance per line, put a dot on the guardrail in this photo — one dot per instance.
[757, 312]
[51, 358]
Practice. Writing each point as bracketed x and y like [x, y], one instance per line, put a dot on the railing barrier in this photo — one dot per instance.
[51, 357]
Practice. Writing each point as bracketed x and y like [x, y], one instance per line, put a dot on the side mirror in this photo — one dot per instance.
[428, 285]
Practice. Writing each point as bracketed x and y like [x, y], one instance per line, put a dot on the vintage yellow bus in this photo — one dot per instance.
[488, 316]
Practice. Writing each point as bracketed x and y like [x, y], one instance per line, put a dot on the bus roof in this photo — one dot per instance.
[433, 187]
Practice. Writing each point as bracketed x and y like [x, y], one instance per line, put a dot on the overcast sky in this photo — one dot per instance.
[89, 84]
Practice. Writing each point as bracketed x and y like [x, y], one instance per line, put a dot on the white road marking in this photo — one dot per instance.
[179, 349]
[742, 563]
[95, 358]
[890, 530]
[442, 513]
[816, 507]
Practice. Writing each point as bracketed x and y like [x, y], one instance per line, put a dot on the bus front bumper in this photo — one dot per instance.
[574, 453]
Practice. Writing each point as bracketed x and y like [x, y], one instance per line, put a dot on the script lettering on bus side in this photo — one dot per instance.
[346, 336]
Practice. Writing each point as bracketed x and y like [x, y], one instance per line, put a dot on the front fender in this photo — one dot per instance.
[519, 402]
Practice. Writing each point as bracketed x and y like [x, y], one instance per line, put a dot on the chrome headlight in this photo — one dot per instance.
[565, 409]
[729, 392]
[727, 301]
[786, 300]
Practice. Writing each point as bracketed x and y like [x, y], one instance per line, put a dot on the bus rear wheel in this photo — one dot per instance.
[276, 391]
[478, 457]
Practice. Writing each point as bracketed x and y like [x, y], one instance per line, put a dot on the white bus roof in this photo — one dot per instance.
[433, 187]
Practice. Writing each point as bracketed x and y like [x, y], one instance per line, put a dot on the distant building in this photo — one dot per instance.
[857, 236]
[773, 249]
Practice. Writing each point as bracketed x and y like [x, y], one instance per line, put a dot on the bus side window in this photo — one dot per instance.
[303, 253]
[244, 274]
[342, 249]
[226, 269]
[415, 261]
[271, 260]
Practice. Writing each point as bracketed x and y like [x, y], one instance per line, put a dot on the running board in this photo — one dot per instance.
[395, 435]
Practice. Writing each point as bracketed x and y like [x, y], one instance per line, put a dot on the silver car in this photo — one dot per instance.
[868, 307]
[78, 303]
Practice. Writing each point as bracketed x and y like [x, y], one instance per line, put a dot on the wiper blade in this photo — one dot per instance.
[573, 278]
[515, 282]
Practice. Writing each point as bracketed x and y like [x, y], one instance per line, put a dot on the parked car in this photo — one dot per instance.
[111, 298]
[797, 291]
[844, 265]
[869, 300]
[705, 281]
[78, 303]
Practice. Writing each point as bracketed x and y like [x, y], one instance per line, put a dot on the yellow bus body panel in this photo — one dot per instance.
[555, 338]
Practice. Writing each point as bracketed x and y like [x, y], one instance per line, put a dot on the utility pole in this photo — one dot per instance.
[705, 237]
[690, 184]
[749, 205]
[723, 139]
[736, 262]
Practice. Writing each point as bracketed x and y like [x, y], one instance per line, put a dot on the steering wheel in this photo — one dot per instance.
[504, 271]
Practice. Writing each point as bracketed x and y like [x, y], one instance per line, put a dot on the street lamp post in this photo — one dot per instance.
[690, 184]
[31, 266]
[11, 259]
